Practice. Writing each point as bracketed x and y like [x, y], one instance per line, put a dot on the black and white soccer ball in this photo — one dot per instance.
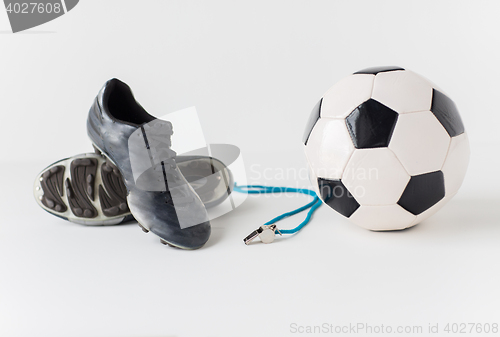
[386, 148]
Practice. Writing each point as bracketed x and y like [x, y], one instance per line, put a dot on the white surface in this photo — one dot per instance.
[329, 148]
[253, 70]
[402, 91]
[375, 177]
[345, 95]
[420, 142]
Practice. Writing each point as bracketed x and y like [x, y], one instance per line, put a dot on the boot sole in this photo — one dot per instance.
[86, 189]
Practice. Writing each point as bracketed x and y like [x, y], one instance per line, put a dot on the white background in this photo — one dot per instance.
[254, 70]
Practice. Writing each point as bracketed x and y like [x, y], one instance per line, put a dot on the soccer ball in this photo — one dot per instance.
[386, 148]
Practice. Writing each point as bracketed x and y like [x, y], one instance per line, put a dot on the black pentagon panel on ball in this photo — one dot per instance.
[376, 70]
[337, 196]
[371, 124]
[423, 192]
[313, 118]
[446, 112]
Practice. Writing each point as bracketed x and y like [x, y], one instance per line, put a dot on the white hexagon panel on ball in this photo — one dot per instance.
[375, 177]
[420, 142]
[402, 91]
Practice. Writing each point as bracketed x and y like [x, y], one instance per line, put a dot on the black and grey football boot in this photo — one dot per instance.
[138, 144]
[88, 189]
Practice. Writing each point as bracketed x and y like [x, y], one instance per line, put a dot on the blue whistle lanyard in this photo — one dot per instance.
[260, 189]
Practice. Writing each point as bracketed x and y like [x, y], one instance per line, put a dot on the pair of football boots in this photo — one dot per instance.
[134, 174]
